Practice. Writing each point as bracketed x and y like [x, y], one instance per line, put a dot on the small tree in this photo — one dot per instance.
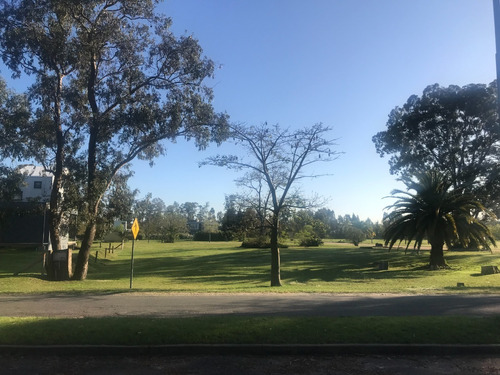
[171, 225]
[308, 237]
[437, 212]
[354, 235]
[276, 159]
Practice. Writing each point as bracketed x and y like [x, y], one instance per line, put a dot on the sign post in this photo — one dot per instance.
[135, 230]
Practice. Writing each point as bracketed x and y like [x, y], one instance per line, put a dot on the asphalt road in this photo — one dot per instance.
[181, 305]
[175, 305]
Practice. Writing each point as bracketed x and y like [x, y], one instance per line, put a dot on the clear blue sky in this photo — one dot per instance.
[345, 63]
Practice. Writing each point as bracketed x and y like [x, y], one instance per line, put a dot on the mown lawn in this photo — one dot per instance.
[249, 330]
[225, 267]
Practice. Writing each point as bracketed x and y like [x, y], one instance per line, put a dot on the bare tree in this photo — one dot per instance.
[275, 160]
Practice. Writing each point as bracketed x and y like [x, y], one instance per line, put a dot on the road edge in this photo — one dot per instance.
[255, 349]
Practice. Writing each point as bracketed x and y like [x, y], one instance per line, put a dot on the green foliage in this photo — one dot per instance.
[453, 129]
[10, 181]
[238, 221]
[495, 229]
[14, 111]
[437, 212]
[209, 236]
[112, 83]
[262, 242]
[171, 225]
[308, 237]
[354, 235]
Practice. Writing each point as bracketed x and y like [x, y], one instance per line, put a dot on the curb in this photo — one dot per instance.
[189, 350]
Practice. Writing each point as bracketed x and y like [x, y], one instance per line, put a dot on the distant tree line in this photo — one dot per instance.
[191, 220]
[306, 226]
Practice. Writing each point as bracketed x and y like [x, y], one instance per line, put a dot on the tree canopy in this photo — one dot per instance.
[111, 83]
[431, 209]
[452, 129]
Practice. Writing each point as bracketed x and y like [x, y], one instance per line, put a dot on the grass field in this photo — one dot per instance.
[200, 267]
[250, 330]
[192, 267]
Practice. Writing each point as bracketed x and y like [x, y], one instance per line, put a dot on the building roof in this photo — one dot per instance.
[34, 171]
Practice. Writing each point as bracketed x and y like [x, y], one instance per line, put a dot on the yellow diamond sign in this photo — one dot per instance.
[135, 228]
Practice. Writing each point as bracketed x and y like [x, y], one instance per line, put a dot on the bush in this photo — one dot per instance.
[308, 237]
[205, 236]
[312, 241]
[260, 243]
[355, 235]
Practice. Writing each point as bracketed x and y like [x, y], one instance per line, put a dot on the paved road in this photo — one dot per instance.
[170, 305]
[180, 305]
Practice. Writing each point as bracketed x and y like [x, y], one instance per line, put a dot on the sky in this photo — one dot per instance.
[345, 64]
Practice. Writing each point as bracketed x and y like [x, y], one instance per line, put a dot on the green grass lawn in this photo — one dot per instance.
[198, 267]
[250, 330]
[192, 267]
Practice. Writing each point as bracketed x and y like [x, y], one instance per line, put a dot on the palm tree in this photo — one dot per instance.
[437, 212]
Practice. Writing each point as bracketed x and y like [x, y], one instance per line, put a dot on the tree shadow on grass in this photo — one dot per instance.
[239, 266]
[253, 266]
[355, 265]
[227, 267]
[475, 289]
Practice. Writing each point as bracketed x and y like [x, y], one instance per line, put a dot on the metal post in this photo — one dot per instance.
[496, 15]
[132, 265]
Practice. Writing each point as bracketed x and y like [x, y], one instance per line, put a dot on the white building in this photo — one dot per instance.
[37, 184]
[37, 187]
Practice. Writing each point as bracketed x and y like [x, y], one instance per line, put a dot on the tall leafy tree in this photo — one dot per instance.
[144, 211]
[171, 225]
[452, 129]
[14, 114]
[432, 209]
[37, 38]
[130, 85]
[10, 182]
[141, 85]
[14, 110]
[238, 221]
[276, 159]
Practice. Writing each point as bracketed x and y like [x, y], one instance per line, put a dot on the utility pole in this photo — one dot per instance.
[496, 14]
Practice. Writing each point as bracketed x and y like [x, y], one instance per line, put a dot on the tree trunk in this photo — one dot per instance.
[437, 257]
[275, 255]
[82, 262]
[54, 210]
[92, 194]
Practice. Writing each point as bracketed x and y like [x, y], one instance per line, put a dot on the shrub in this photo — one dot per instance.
[206, 236]
[260, 243]
[308, 237]
[355, 235]
[313, 241]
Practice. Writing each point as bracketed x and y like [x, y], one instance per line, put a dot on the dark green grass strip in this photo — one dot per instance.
[249, 330]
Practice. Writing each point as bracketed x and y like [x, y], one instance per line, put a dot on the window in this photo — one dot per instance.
[38, 185]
